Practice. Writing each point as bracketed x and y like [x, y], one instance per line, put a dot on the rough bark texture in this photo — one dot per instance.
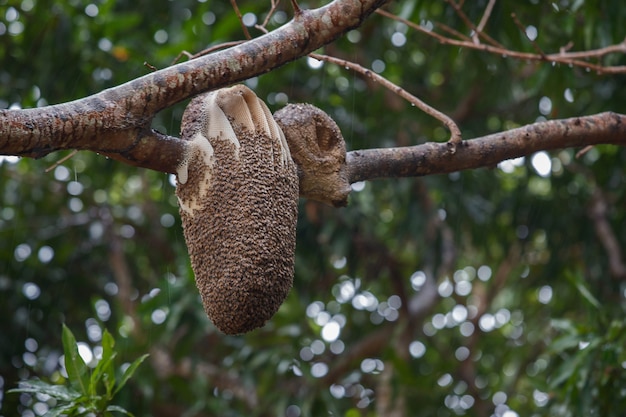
[238, 194]
[487, 151]
[116, 122]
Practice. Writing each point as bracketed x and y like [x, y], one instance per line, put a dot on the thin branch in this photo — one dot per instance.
[619, 48]
[207, 51]
[562, 57]
[583, 151]
[449, 30]
[455, 132]
[486, 16]
[233, 3]
[469, 24]
[522, 29]
[60, 161]
[263, 26]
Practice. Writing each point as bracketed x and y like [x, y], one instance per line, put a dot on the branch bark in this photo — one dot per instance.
[116, 122]
[486, 151]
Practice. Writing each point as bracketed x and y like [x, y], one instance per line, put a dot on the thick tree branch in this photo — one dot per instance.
[486, 151]
[116, 122]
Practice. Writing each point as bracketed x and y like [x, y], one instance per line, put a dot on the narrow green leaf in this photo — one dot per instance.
[129, 372]
[74, 364]
[584, 291]
[108, 343]
[118, 409]
[562, 325]
[564, 343]
[104, 372]
[581, 286]
[108, 368]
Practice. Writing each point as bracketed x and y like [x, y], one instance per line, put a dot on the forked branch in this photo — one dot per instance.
[116, 122]
[576, 59]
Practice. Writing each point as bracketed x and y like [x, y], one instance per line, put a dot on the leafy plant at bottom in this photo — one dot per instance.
[87, 391]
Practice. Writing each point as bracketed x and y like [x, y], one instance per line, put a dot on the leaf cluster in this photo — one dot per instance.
[87, 391]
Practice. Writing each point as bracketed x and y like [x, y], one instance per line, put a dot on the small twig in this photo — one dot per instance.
[453, 32]
[296, 8]
[150, 66]
[566, 47]
[522, 28]
[484, 20]
[263, 26]
[206, 51]
[619, 48]
[562, 57]
[583, 151]
[486, 16]
[243, 26]
[189, 55]
[469, 24]
[214, 48]
[60, 161]
[455, 132]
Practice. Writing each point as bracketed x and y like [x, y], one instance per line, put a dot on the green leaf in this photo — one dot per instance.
[584, 291]
[106, 365]
[564, 343]
[573, 368]
[566, 370]
[616, 330]
[563, 325]
[104, 372]
[580, 285]
[118, 409]
[129, 372]
[58, 392]
[62, 410]
[74, 364]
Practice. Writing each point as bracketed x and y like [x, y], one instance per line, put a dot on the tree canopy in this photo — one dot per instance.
[492, 291]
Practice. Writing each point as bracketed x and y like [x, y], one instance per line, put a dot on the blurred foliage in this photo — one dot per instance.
[461, 294]
[588, 360]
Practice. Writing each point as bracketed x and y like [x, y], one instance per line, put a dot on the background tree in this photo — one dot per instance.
[486, 292]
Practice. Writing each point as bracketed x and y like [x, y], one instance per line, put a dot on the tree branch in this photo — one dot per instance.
[486, 151]
[561, 57]
[455, 132]
[116, 122]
